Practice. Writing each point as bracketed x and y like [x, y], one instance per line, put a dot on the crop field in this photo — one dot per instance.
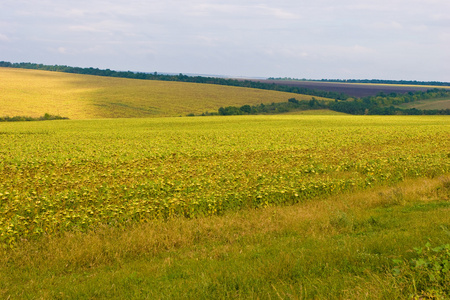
[286, 206]
[34, 93]
[60, 176]
[354, 89]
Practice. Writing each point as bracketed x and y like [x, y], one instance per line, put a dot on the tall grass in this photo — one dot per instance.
[334, 248]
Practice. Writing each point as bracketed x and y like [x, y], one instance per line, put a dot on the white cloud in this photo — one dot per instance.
[444, 37]
[243, 37]
[277, 12]
[287, 52]
[387, 25]
[62, 50]
[85, 28]
[4, 38]
[207, 40]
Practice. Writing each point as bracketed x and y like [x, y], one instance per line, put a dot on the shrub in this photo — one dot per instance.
[428, 274]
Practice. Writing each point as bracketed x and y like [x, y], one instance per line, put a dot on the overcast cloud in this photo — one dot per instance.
[386, 39]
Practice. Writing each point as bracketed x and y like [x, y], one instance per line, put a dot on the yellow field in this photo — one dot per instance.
[316, 112]
[230, 207]
[34, 93]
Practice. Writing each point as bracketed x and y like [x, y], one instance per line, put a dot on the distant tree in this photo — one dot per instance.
[247, 109]
[293, 100]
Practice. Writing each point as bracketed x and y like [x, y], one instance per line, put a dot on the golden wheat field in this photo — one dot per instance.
[34, 93]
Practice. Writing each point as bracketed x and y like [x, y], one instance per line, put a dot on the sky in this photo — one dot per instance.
[346, 39]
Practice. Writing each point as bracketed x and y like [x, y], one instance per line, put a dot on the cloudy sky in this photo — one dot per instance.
[385, 39]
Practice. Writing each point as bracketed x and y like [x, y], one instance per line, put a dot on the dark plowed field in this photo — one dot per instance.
[351, 89]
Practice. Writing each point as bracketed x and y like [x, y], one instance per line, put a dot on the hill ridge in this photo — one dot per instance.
[78, 96]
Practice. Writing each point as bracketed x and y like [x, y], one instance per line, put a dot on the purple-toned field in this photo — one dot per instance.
[350, 89]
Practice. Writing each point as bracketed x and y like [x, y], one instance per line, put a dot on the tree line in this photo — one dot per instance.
[274, 108]
[381, 104]
[369, 81]
[373, 105]
[180, 77]
[46, 117]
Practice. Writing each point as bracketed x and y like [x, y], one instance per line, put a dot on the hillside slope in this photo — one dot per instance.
[441, 103]
[35, 92]
[356, 89]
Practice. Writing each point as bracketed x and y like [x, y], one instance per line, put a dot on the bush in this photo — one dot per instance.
[45, 117]
[428, 274]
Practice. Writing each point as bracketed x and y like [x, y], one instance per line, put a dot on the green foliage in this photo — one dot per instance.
[274, 253]
[428, 273]
[377, 105]
[384, 104]
[274, 108]
[46, 117]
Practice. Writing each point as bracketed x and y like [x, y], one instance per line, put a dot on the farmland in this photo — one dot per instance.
[35, 92]
[440, 103]
[216, 185]
[353, 89]
[117, 203]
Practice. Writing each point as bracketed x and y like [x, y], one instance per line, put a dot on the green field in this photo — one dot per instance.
[428, 104]
[34, 93]
[290, 206]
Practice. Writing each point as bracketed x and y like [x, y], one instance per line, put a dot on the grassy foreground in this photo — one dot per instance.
[292, 206]
[34, 93]
[334, 248]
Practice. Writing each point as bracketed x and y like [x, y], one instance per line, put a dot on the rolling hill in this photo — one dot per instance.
[354, 89]
[440, 103]
[36, 92]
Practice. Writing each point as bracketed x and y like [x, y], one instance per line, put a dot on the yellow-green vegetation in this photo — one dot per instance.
[33, 93]
[352, 246]
[315, 112]
[73, 176]
[428, 104]
[165, 207]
